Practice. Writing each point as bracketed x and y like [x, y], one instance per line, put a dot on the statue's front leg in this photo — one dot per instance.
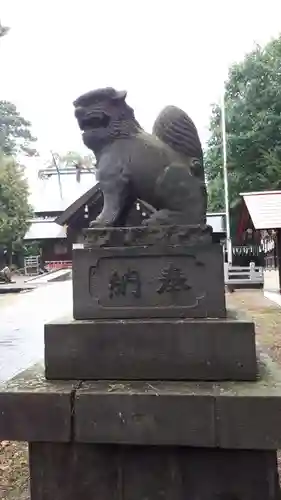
[117, 197]
[111, 212]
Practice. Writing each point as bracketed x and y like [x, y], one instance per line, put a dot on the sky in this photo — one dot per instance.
[161, 51]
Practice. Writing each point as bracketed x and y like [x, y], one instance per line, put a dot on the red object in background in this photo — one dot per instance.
[58, 264]
[243, 223]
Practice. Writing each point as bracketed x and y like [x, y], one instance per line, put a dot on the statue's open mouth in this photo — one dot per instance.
[94, 122]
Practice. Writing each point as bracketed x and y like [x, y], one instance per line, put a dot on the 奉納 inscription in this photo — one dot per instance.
[144, 282]
[119, 284]
[172, 280]
[148, 281]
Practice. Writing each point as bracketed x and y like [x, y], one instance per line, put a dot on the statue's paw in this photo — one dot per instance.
[98, 223]
[93, 223]
[165, 217]
[101, 222]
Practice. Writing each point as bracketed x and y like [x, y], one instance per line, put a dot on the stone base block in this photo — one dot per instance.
[110, 472]
[148, 276]
[226, 415]
[222, 349]
[33, 409]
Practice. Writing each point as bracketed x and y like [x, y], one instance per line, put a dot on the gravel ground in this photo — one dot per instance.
[13, 471]
[267, 317]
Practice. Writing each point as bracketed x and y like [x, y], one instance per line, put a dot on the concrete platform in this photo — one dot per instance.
[15, 288]
[186, 349]
[273, 296]
[226, 415]
[172, 440]
[67, 471]
[52, 276]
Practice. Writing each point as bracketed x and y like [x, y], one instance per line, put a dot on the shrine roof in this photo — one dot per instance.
[42, 230]
[264, 208]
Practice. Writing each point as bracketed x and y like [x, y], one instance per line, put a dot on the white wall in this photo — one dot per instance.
[271, 280]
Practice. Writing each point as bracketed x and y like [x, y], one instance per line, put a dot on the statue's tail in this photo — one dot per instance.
[174, 127]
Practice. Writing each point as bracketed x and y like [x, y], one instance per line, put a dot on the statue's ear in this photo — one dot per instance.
[120, 95]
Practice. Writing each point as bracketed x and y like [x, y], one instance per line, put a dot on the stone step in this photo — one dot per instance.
[182, 349]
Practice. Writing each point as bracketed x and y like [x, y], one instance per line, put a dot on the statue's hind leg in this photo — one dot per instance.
[182, 196]
[165, 217]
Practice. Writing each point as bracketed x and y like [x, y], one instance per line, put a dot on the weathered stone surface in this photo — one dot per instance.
[70, 472]
[147, 236]
[148, 282]
[249, 415]
[182, 413]
[108, 472]
[164, 169]
[218, 349]
[144, 414]
[229, 415]
[32, 409]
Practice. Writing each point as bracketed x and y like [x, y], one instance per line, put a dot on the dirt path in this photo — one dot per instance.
[21, 345]
[22, 325]
[13, 471]
[267, 317]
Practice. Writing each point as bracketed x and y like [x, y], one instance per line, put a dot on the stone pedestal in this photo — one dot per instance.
[133, 440]
[148, 273]
[154, 390]
[151, 349]
[108, 472]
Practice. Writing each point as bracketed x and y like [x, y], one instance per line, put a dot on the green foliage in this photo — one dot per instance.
[71, 161]
[30, 249]
[14, 208]
[74, 159]
[253, 127]
[15, 135]
[216, 195]
[3, 30]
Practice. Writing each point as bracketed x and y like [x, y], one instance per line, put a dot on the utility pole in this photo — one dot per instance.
[225, 177]
[56, 165]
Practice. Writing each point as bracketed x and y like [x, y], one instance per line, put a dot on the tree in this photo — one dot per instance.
[3, 30]
[15, 210]
[253, 128]
[71, 161]
[15, 135]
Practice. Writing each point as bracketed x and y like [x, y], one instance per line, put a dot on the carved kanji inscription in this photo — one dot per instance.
[172, 279]
[121, 284]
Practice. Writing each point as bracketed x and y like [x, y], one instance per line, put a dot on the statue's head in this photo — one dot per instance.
[102, 116]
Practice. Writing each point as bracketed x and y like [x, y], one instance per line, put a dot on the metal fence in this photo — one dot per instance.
[32, 265]
[238, 276]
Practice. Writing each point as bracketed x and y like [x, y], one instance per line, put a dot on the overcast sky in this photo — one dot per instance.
[161, 51]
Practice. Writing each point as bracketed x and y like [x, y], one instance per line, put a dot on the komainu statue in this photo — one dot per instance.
[164, 169]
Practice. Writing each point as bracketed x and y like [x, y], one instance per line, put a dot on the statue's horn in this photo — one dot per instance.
[120, 94]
